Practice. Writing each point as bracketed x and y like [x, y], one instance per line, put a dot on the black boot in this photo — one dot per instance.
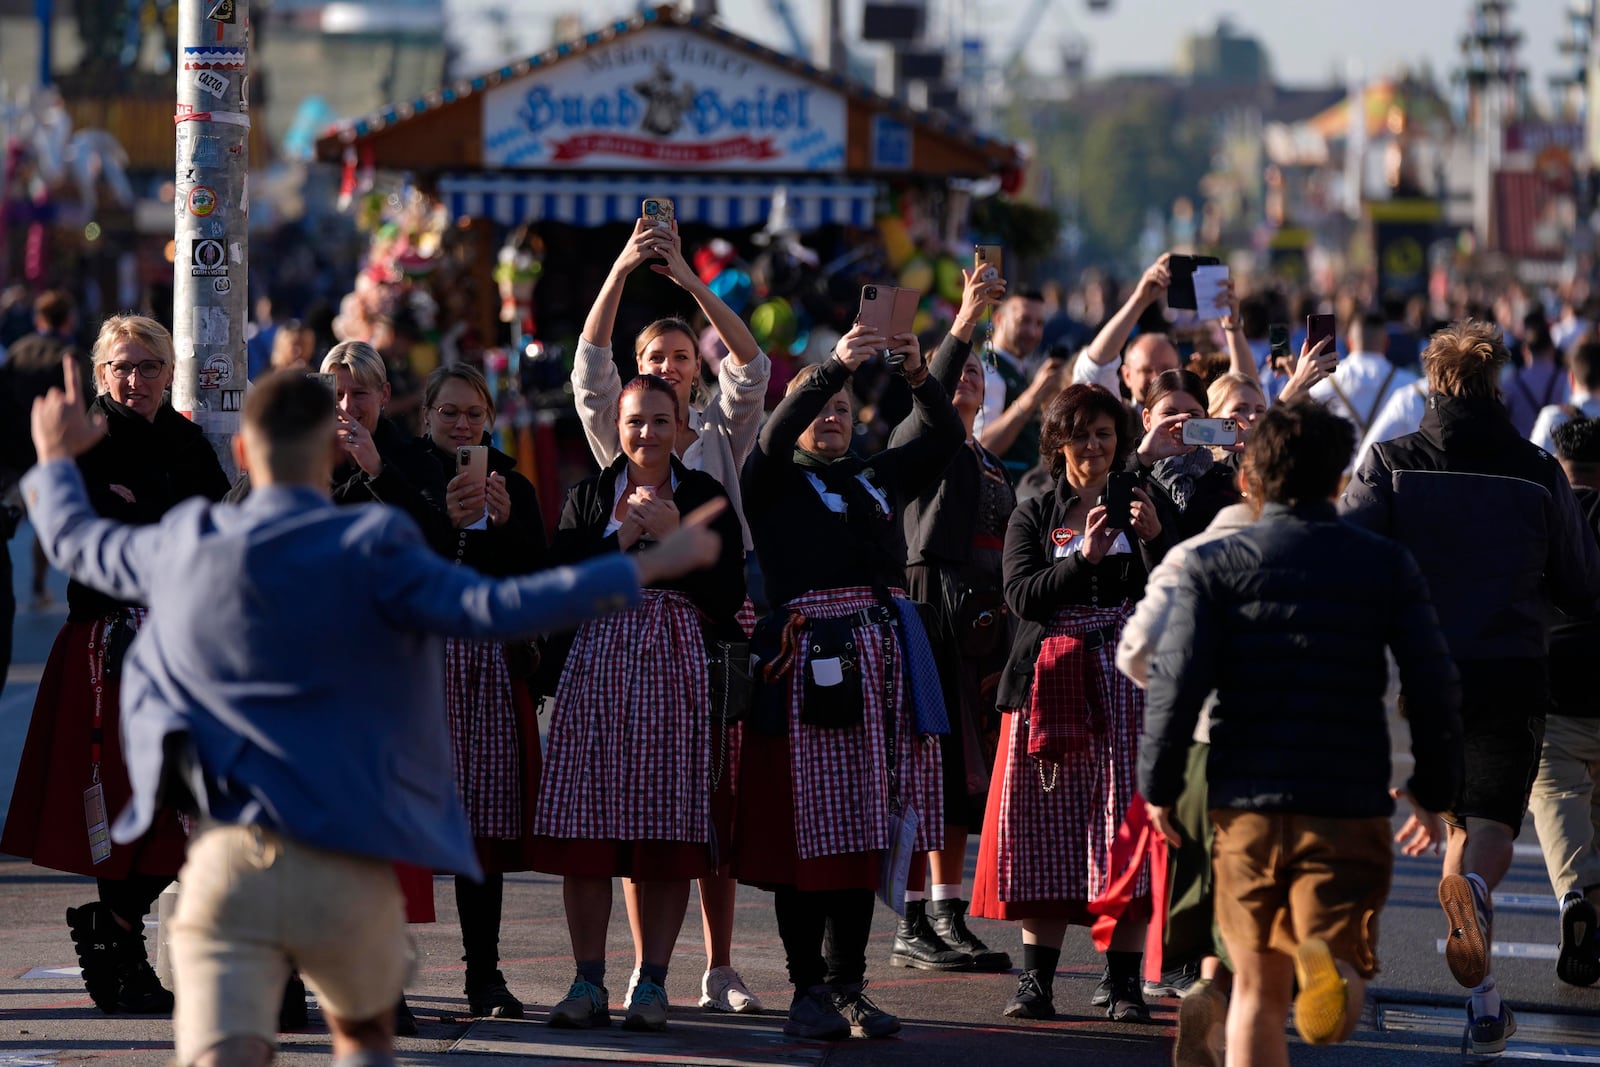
[1127, 995]
[405, 1024]
[138, 989]
[1035, 997]
[94, 935]
[948, 918]
[488, 997]
[916, 945]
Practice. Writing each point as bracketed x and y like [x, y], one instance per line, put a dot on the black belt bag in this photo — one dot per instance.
[982, 622]
[833, 696]
[731, 670]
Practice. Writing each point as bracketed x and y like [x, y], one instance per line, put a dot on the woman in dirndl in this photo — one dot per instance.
[840, 761]
[71, 781]
[494, 727]
[1065, 775]
[627, 786]
[717, 433]
[955, 531]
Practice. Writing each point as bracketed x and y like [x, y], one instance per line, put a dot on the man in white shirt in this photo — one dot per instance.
[1364, 379]
[1104, 363]
[1583, 374]
[1008, 422]
[1402, 414]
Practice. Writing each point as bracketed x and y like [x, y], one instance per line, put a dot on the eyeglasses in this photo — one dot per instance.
[147, 368]
[450, 413]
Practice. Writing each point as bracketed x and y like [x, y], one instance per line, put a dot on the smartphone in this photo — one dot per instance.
[889, 309]
[329, 382]
[1318, 327]
[473, 460]
[658, 210]
[986, 262]
[1279, 355]
[1180, 289]
[1211, 432]
[1118, 499]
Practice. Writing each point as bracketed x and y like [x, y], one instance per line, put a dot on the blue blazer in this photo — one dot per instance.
[296, 650]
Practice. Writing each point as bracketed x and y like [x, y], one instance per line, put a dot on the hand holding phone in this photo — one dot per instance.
[888, 310]
[1218, 432]
[472, 502]
[1118, 499]
[986, 262]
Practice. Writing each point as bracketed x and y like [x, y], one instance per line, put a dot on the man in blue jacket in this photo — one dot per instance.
[288, 688]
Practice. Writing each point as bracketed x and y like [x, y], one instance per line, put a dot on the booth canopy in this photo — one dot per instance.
[664, 104]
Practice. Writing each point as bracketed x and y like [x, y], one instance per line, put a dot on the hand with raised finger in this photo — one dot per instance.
[858, 344]
[60, 427]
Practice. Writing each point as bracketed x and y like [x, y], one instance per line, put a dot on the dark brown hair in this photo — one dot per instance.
[1296, 454]
[1070, 413]
[1464, 359]
[1175, 381]
[650, 383]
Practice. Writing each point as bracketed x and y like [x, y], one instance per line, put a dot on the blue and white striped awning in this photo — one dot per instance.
[591, 199]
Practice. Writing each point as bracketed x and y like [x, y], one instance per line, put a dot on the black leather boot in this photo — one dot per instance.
[948, 918]
[488, 997]
[1035, 997]
[916, 945]
[138, 989]
[116, 969]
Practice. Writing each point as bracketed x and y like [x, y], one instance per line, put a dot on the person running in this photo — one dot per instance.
[1464, 476]
[1065, 778]
[955, 532]
[310, 775]
[718, 431]
[626, 788]
[1298, 766]
[489, 704]
[838, 749]
[150, 459]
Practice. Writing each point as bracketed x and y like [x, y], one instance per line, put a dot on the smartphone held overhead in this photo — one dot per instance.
[1319, 327]
[888, 309]
[986, 261]
[1210, 291]
[659, 210]
[1181, 294]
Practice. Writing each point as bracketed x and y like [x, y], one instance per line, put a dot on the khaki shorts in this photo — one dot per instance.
[1282, 879]
[252, 904]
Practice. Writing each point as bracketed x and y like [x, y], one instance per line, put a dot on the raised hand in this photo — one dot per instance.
[859, 344]
[62, 429]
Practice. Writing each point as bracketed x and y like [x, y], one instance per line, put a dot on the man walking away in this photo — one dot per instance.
[1493, 523]
[1299, 763]
[288, 688]
[1564, 792]
[1362, 383]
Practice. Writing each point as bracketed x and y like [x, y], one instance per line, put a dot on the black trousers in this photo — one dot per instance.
[131, 898]
[8, 607]
[824, 935]
[478, 905]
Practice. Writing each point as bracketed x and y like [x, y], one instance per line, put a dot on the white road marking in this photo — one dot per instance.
[1528, 950]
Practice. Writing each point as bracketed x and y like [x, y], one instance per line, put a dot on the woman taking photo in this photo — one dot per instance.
[1065, 776]
[626, 790]
[715, 436]
[837, 748]
[955, 532]
[494, 728]
[1186, 482]
[152, 458]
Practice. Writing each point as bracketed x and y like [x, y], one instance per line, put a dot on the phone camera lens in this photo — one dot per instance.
[872, 292]
[652, 208]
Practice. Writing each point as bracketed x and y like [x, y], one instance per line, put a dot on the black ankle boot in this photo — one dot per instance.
[138, 989]
[948, 918]
[94, 935]
[1035, 997]
[488, 997]
[916, 945]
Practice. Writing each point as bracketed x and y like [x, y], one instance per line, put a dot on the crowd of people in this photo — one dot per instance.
[1045, 612]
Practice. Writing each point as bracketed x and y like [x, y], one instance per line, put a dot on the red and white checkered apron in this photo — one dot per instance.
[1055, 844]
[484, 746]
[841, 775]
[627, 754]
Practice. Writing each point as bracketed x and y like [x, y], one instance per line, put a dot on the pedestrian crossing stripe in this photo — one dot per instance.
[1528, 950]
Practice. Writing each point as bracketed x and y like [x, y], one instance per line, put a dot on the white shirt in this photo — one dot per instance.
[1544, 427]
[1360, 377]
[1402, 414]
[994, 391]
[1086, 371]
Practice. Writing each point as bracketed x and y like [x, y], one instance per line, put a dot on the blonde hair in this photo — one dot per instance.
[139, 330]
[459, 372]
[1464, 359]
[363, 362]
[1224, 386]
[673, 324]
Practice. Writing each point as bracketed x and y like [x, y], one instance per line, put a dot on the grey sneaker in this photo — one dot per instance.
[721, 989]
[814, 1015]
[866, 1019]
[585, 1007]
[647, 1010]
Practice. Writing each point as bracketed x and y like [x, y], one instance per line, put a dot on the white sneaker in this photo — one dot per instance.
[723, 990]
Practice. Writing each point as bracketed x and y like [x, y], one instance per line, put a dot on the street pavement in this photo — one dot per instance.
[1413, 1016]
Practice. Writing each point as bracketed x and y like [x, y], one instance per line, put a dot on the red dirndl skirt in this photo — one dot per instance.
[626, 790]
[812, 804]
[1048, 829]
[46, 820]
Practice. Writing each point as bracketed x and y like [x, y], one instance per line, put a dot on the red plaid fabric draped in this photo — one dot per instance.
[484, 745]
[627, 756]
[841, 780]
[1058, 821]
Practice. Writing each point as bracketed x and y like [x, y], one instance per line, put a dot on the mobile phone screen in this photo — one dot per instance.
[1318, 327]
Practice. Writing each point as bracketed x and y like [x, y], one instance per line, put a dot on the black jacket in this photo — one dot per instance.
[718, 591]
[1038, 585]
[158, 463]
[802, 545]
[939, 521]
[1573, 640]
[1287, 620]
[32, 367]
[518, 545]
[409, 480]
[1491, 521]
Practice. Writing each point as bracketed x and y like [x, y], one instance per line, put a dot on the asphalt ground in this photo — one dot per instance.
[1413, 1016]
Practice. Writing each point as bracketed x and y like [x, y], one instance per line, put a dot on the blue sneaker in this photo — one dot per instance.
[1579, 962]
[1471, 921]
[585, 1007]
[1486, 1035]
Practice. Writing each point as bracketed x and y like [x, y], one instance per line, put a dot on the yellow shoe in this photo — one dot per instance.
[1320, 1006]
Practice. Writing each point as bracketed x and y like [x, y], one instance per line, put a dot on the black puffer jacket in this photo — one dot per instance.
[1288, 621]
[1490, 519]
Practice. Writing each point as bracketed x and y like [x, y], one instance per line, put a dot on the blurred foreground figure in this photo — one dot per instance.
[310, 772]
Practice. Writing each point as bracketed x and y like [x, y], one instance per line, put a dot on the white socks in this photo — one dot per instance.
[1486, 999]
[946, 892]
[914, 895]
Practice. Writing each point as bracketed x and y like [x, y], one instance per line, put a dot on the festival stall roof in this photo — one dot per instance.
[664, 104]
